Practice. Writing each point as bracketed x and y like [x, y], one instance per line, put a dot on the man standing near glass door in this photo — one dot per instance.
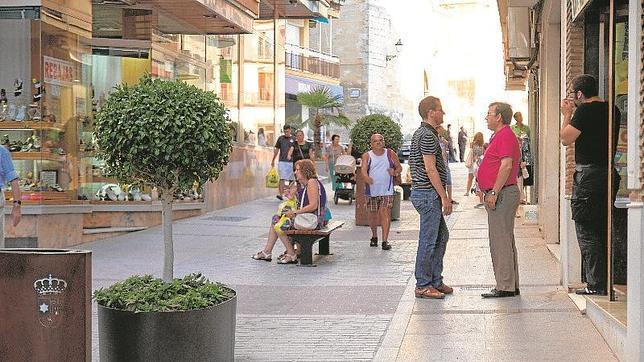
[587, 128]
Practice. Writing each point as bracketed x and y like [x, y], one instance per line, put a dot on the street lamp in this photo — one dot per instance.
[398, 45]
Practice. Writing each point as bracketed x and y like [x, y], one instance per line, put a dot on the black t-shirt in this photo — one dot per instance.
[591, 145]
[301, 151]
[284, 143]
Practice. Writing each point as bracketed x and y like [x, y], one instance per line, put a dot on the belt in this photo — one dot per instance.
[488, 190]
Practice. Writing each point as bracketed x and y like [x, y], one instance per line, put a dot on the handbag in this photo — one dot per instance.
[309, 220]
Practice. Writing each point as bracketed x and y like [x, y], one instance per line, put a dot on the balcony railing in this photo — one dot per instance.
[306, 60]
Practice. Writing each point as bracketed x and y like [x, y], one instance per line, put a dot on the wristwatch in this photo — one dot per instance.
[19, 202]
[492, 192]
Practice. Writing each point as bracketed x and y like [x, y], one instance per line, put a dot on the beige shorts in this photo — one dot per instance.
[375, 203]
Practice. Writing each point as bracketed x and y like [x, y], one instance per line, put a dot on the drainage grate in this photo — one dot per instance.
[227, 218]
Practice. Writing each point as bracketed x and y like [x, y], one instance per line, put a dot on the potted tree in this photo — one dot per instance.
[172, 136]
[361, 136]
[326, 109]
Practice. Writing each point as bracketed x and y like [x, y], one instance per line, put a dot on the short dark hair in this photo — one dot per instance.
[504, 109]
[287, 126]
[334, 137]
[428, 103]
[586, 84]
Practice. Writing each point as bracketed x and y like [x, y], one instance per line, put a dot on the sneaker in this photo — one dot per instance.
[386, 245]
[373, 242]
[586, 291]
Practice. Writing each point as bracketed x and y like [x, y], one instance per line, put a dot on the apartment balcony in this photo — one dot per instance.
[313, 62]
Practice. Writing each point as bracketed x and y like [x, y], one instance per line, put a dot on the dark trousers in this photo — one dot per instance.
[590, 211]
[461, 151]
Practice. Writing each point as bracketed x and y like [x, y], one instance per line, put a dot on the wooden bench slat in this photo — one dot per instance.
[327, 230]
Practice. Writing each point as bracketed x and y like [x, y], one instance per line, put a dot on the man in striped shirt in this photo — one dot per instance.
[429, 177]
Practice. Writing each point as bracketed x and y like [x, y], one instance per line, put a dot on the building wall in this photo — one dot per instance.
[363, 37]
[549, 121]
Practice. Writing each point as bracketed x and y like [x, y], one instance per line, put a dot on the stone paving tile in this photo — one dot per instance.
[308, 338]
[314, 300]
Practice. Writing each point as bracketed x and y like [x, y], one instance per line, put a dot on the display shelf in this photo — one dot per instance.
[30, 125]
[37, 156]
[43, 197]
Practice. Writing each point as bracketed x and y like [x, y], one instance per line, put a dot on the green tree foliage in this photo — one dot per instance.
[375, 123]
[327, 108]
[165, 134]
[148, 294]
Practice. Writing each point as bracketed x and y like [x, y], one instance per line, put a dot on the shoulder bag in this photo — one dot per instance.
[308, 220]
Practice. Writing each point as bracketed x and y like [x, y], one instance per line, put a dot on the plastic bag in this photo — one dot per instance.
[272, 179]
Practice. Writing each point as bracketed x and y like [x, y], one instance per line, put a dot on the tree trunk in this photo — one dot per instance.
[166, 217]
[317, 125]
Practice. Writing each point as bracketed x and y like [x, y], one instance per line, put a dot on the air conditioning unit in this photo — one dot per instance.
[519, 32]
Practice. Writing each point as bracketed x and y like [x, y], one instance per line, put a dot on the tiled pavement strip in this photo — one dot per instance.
[358, 304]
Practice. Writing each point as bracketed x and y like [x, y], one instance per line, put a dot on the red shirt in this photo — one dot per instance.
[503, 144]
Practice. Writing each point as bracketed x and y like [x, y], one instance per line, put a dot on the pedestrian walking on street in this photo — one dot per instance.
[462, 143]
[382, 166]
[497, 178]
[285, 166]
[8, 175]
[301, 150]
[522, 131]
[444, 146]
[587, 128]
[450, 144]
[476, 151]
[428, 195]
[331, 154]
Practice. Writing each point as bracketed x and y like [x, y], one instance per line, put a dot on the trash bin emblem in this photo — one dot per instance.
[50, 292]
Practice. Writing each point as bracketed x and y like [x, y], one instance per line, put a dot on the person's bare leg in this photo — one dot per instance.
[282, 186]
[470, 179]
[272, 238]
[385, 220]
[449, 192]
[373, 223]
[287, 244]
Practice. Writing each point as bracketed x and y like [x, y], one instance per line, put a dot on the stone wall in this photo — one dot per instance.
[574, 66]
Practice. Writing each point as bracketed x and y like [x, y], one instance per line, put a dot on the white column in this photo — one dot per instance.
[635, 282]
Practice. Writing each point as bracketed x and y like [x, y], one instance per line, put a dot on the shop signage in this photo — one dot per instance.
[58, 71]
[577, 7]
[354, 92]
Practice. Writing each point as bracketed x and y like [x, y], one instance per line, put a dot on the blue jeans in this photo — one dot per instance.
[432, 239]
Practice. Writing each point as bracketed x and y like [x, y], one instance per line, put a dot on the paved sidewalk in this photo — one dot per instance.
[358, 304]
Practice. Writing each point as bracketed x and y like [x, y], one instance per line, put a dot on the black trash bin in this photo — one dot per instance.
[45, 305]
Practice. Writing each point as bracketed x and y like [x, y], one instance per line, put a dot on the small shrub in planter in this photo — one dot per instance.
[375, 123]
[148, 294]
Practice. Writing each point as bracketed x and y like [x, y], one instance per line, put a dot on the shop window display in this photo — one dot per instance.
[45, 98]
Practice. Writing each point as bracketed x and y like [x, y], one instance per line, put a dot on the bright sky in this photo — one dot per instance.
[456, 42]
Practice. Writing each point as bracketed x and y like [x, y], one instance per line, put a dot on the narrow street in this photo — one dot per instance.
[358, 304]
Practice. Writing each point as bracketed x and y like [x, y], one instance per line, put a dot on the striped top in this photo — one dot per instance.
[425, 142]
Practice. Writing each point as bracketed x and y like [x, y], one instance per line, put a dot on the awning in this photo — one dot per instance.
[296, 85]
[293, 9]
[202, 16]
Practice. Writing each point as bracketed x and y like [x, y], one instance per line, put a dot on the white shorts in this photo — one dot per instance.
[285, 169]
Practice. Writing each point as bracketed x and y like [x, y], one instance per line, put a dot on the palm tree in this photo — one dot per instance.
[327, 108]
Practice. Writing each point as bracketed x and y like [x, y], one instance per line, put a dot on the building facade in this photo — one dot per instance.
[368, 70]
[602, 38]
[66, 57]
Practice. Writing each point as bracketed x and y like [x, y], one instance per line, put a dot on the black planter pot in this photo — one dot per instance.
[198, 335]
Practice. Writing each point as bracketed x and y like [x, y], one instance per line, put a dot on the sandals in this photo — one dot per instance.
[261, 255]
[288, 259]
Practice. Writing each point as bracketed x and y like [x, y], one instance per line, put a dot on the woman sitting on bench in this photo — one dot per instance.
[311, 195]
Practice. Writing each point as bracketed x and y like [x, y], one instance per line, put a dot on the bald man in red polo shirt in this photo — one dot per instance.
[497, 177]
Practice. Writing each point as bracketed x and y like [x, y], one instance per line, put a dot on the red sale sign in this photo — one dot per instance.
[58, 71]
